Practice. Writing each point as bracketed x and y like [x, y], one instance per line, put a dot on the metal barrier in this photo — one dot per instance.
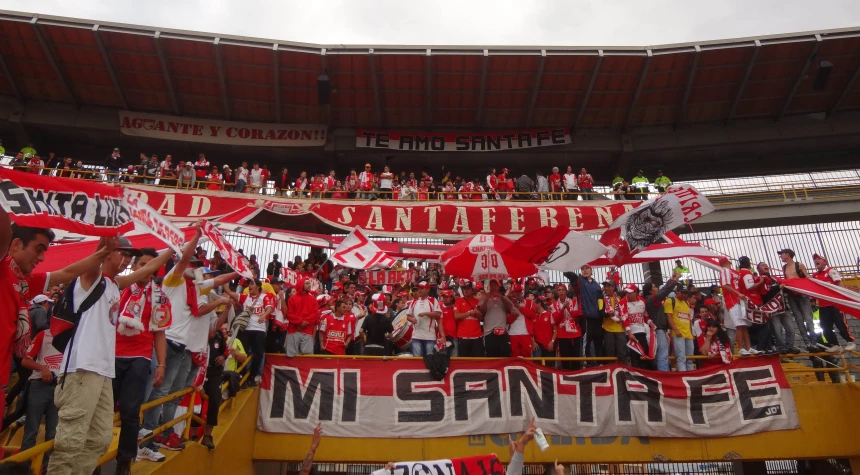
[36, 454]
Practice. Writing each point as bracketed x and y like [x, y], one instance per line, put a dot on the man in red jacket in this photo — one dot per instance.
[302, 317]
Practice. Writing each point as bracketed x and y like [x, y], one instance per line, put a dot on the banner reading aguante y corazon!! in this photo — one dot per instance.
[462, 142]
[498, 396]
[170, 127]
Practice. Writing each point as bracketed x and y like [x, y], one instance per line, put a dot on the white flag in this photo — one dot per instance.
[359, 252]
[574, 251]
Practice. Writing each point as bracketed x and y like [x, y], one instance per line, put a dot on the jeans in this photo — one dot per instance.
[801, 308]
[129, 388]
[40, 402]
[240, 186]
[587, 193]
[683, 348]
[255, 344]
[761, 334]
[782, 330]
[423, 347]
[828, 317]
[177, 367]
[662, 354]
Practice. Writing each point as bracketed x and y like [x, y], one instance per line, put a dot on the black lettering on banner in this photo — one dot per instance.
[63, 198]
[438, 143]
[491, 393]
[649, 393]
[494, 142]
[586, 389]
[367, 136]
[422, 142]
[462, 142]
[99, 218]
[542, 135]
[509, 138]
[719, 393]
[524, 137]
[405, 140]
[558, 136]
[382, 140]
[320, 382]
[750, 411]
[349, 384]
[404, 383]
[543, 405]
[16, 202]
[79, 208]
[478, 139]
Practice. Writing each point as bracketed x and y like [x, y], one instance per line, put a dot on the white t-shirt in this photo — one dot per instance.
[43, 352]
[424, 328]
[386, 180]
[257, 177]
[187, 329]
[257, 307]
[357, 311]
[94, 347]
[242, 174]
[570, 181]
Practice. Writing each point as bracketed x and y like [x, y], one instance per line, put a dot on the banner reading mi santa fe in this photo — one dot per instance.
[170, 127]
[462, 142]
[399, 398]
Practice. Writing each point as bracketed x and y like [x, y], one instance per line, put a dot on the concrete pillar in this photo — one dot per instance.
[652, 273]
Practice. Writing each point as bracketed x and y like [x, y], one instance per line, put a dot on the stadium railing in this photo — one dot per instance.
[720, 195]
[36, 454]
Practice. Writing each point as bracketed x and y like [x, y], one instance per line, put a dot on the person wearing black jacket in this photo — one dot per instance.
[654, 306]
[590, 292]
[219, 351]
[274, 267]
[113, 165]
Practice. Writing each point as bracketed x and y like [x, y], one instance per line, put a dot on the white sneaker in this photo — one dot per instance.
[145, 453]
[143, 433]
[850, 346]
[834, 349]
[754, 351]
[743, 352]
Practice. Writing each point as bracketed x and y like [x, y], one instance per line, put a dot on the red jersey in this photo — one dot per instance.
[543, 326]
[746, 280]
[470, 327]
[830, 275]
[135, 304]
[585, 180]
[13, 308]
[492, 182]
[555, 182]
[731, 278]
[336, 332]
[317, 186]
[449, 323]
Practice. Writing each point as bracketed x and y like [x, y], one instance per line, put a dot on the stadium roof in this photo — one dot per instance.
[186, 73]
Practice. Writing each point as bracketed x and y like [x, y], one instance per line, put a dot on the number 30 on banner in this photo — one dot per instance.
[492, 260]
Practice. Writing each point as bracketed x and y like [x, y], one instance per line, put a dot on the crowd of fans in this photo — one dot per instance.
[367, 184]
[189, 321]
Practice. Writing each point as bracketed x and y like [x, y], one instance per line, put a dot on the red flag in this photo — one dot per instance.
[357, 251]
[844, 299]
[651, 336]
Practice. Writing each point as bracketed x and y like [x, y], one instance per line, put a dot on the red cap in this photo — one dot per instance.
[516, 288]
[723, 259]
[447, 293]
[423, 284]
[465, 282]
[631, 288]
[479, 286]
[817, 256]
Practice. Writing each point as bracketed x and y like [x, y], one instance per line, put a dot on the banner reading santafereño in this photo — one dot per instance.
[187, 129]
[462, 142]
[498, 396]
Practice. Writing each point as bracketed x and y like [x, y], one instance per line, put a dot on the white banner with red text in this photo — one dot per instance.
[237, 261]
[478, 465]
[149, 219]
[462, 142]
[169, 127]
[73, 205]
[363, 398]
[385, 277]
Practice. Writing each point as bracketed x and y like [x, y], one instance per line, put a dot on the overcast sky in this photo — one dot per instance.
[468, 22]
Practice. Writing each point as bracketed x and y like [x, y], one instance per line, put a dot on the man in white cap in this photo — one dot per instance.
[40, 310]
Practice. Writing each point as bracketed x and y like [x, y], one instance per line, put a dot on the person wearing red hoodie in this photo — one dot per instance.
[302, 317]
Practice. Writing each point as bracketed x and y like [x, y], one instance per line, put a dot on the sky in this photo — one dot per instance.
[468, 22]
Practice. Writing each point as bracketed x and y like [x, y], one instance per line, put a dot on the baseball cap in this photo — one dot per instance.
[214, 273]
[711, 302]
[423, 284]
[723, 259]
[41, 298]
[631, 288]
[447, 293]
[608, 282]
[516, 288]
[125, 245]
[817, 256]
[786, 251]
[465, 283]
[116, 149]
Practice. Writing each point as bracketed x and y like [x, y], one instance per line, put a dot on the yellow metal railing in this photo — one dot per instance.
[36, 454]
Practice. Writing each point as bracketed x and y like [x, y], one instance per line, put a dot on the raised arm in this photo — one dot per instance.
[150, 268]
[67, 274]
[188, 252]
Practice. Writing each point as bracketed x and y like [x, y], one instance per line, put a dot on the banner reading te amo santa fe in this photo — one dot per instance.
[187, 129]
[498, 396]
[462, 142]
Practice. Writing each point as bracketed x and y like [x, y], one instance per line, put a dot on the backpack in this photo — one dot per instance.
[65, 321]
